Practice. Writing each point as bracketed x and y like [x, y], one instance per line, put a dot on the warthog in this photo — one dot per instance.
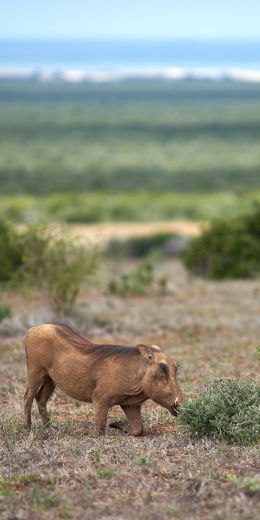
[105, 375]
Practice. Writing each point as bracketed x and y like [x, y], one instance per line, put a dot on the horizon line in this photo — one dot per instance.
[155, 39]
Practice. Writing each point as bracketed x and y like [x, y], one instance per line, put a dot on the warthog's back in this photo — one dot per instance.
[42, 344]
[75, 364]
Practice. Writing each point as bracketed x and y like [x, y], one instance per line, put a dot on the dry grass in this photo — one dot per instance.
[64, 471]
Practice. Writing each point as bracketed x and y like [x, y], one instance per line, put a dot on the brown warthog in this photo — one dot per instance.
[105, 375]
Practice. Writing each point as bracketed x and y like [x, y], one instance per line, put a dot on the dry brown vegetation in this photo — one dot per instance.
[65, 471]
[105, 231]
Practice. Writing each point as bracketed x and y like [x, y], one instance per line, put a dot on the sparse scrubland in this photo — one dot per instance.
[133, 151]
[137, 151]
[64, 471]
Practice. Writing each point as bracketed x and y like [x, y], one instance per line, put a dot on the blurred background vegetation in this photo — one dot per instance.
[143, 151]
[129, 150]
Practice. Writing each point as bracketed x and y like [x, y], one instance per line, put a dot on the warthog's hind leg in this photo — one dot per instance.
[35, 379]
[135, 426]
[43, 395]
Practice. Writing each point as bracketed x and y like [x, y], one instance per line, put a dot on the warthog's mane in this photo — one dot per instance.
[98, 351]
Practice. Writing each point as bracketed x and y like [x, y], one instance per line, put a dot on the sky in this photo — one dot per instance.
[131, 19]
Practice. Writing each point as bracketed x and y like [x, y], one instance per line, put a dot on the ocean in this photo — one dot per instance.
[114, 59]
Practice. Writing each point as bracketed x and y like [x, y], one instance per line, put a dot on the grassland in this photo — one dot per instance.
[128, 151]
[212, 329]
[133, 151]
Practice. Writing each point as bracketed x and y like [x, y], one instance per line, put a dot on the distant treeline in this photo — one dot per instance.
[144, 206]
[186, 137]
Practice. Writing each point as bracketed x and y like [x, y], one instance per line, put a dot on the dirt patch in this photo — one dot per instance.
[104, 232]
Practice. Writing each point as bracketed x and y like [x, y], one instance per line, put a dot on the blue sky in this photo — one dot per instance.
[151, 19]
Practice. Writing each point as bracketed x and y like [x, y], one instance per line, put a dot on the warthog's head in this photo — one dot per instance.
[160, 381]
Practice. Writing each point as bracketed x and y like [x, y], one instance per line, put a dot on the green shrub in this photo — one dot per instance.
[228, 409]
[55, 264]
[10, 253]
[66, 266]
[135, 282]
[139, 280]
[42, 257]
[5, 311]
[228, 249]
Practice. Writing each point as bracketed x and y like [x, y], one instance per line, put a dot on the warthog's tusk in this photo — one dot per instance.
[176, 401]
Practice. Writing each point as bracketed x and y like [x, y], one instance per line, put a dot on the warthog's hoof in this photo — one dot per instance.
[126, 428]
[118, 425]
[100, 432]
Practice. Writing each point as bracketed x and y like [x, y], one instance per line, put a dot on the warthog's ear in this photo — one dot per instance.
[146, 351]
[156, 348]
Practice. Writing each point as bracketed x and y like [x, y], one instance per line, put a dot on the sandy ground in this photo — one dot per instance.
[109, 230]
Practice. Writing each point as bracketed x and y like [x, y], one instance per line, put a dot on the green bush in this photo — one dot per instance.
[228, 409]
[135, 282]
[139, 280]
[55, 264]
[5, 311]
[42, 257]
[10, 253]
[228, 249]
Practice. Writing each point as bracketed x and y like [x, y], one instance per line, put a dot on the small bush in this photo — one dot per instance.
[57, 265]
[228, 409]
[43, 258]
[229, 249]
[10, 253]
[139, 280]
[5, 311]
[135, 282]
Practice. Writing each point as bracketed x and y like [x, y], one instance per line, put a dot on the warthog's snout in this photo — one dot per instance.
[175, 407]
[174, 410]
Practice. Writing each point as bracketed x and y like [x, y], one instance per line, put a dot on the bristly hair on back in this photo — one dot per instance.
[97, 351]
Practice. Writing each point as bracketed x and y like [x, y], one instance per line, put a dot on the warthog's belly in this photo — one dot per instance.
[73, 381]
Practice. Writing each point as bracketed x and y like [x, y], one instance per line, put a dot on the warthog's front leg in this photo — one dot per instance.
[101, 409]
[133, 414]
